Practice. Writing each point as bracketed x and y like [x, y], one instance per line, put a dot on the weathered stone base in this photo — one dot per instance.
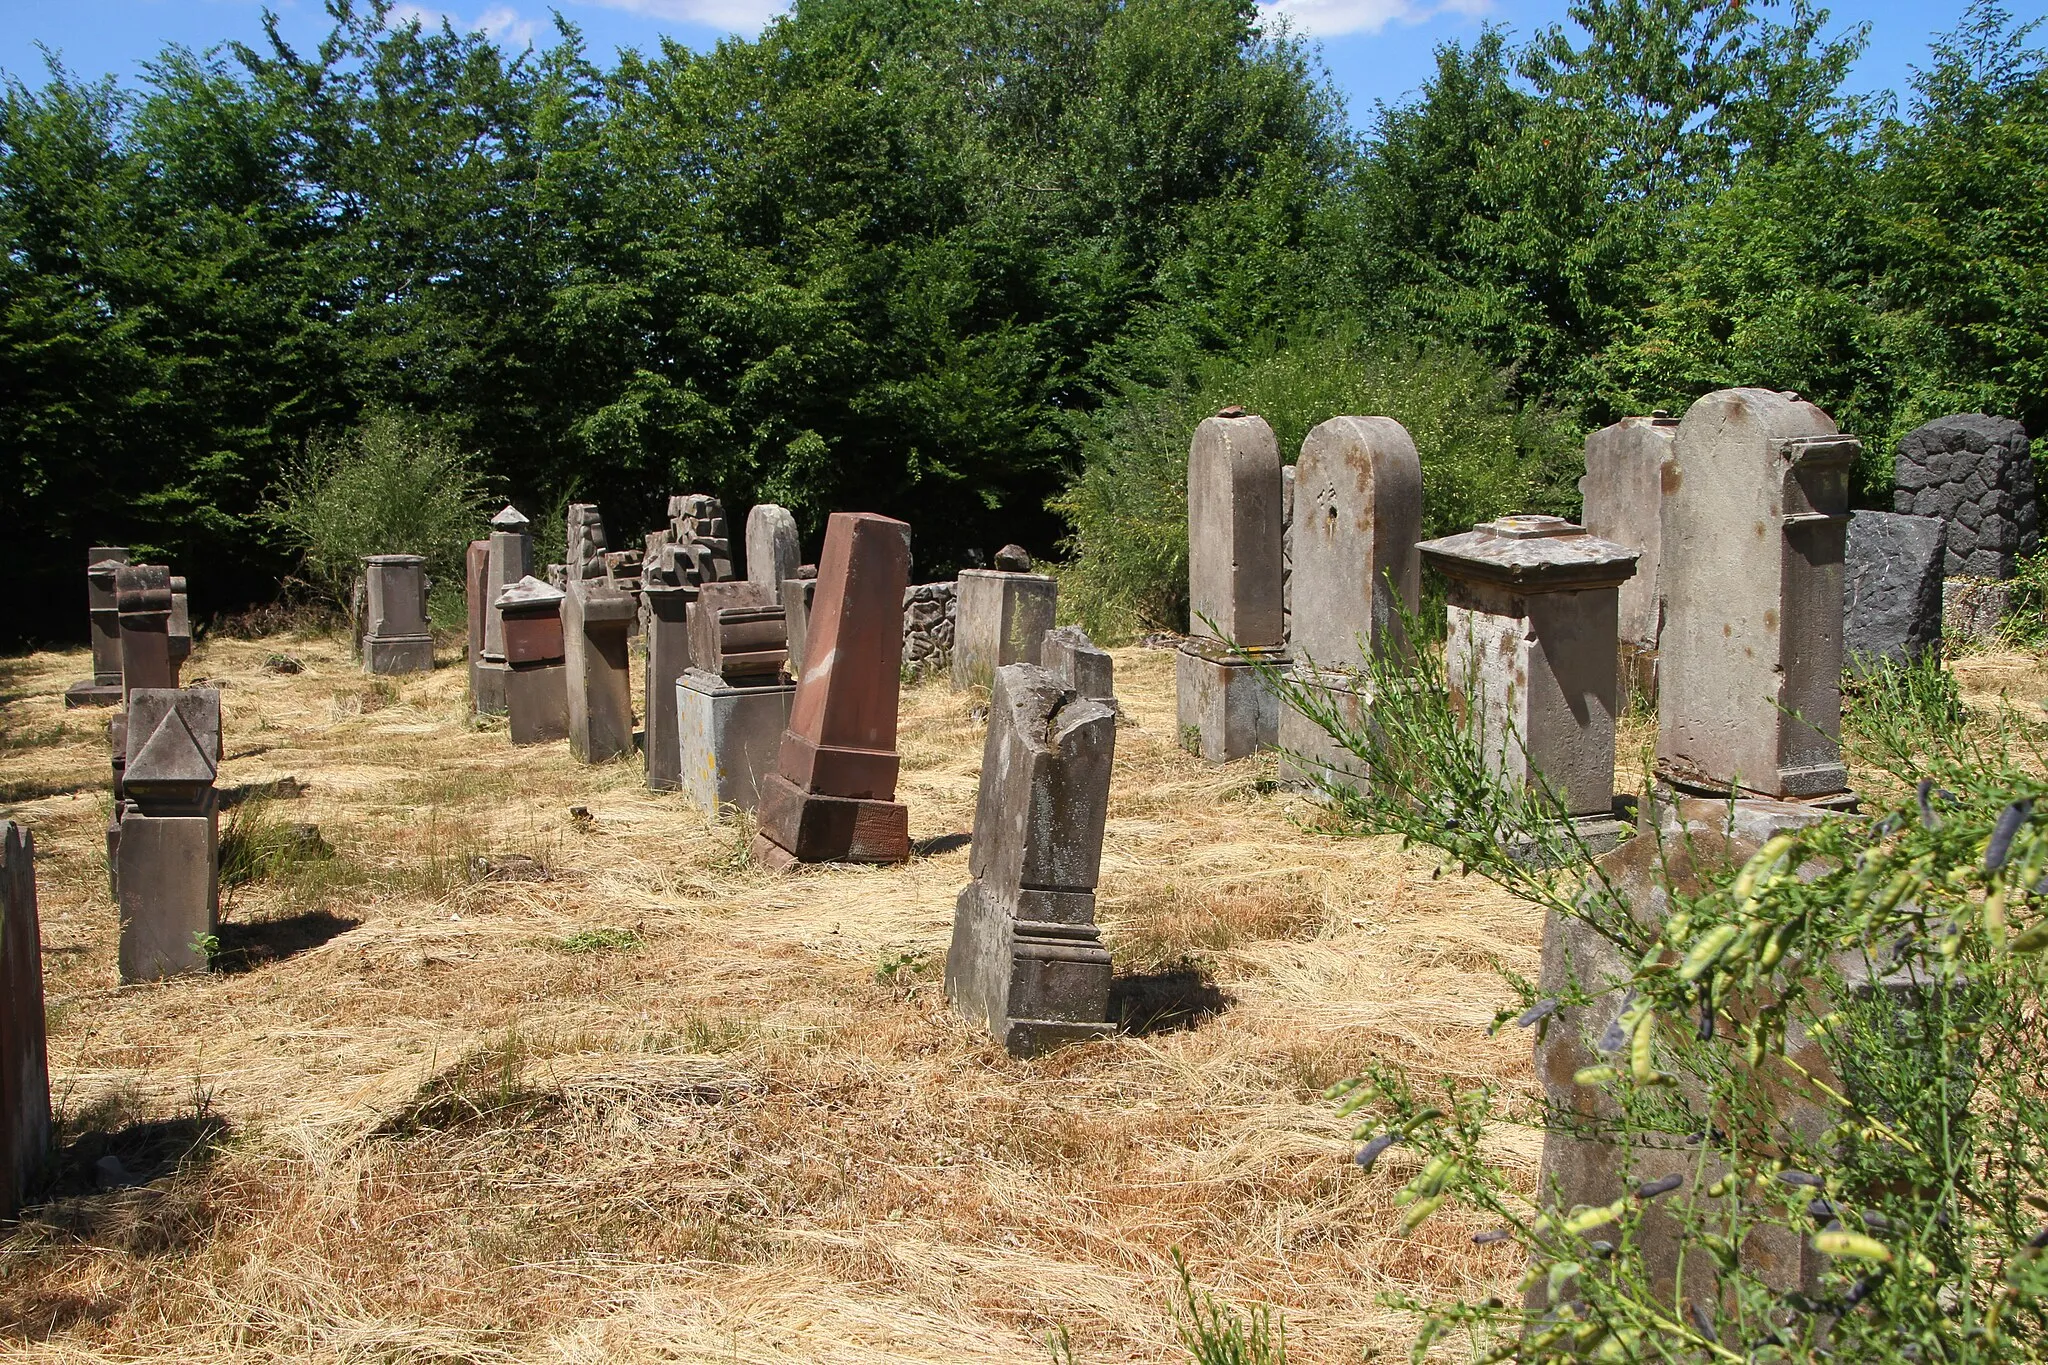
[1673, 787]
[1327, 761]
[397, 654]
[803, 827]
[1599, 833]
[170, 893]
[1224, 710]
[1034, 984]
[93, 693]
[488, 681]
[1973, 608]
[728, 739]
[537, 702]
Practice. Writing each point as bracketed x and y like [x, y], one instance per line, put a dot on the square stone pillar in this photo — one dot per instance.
[536, 680]
[597, 620]
[1749, 679]
[24, 1059]
[773, 549]
[104, 687]
[396, 638]
[1530, 657]
[169, 874]
[142, 594]
[832, 796]
[179, 628]
[476, 605]
[1236, 588]
[1627, 467]
[729, 737]
[797, 596]
[1027, 961]
[511, 559]
[1000, 619]
[667, 636]
[1357, 508]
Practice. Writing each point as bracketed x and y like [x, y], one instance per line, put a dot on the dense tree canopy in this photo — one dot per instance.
[919, 255]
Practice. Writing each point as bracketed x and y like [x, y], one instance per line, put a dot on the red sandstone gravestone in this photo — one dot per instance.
[24, 1064]
[832, 796]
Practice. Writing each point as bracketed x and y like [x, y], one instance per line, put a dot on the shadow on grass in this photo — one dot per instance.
[1164, 1000]
[247, 945]
[939, 843]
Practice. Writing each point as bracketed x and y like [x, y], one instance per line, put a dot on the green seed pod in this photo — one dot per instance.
[1422, 1210]
[1585, 1220]
[1767, 858]
[1994, 917]
[1851, 1244]
[2033, 940]
[1593, 1075]
[1711, 945]
[1677, 927]
[1641, 1047]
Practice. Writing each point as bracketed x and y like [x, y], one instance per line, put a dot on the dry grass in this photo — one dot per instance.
[660, 1106]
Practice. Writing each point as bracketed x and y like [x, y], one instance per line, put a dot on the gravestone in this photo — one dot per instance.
[1000, 617]
[476, 606]
[665, 617]
[597, 621]
[1357, 518]
[1069, 655]
[1892, 607]
[511, 560]
[584, 541]
[24, 1058]
[1027, 961]
[104, 687]
[1530, 656]
[1750, 661]
[169, 858]
[1976, 474]
[1224, 710]
[396, 638]
[1627, 465]
[179, 627]
[930, 615]
[733, 705]
[773, 550]
[536, 679]
[1287, 478]
[142, 596]
[832, 795]
[797, 595]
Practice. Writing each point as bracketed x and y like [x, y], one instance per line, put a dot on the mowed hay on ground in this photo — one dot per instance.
[497, 1080]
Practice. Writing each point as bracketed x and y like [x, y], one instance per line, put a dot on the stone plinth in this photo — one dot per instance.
[773, 550]
[142, 595]
[597, 621]
[1357, 515]
[1234, 565]
[536, 680]
[1893, 571]
[1750, 660]
[104, 687]
[667, 634]
[1000, 619]
[1975, 473]
[1027, 961]
[797, 595]
[476, 606]
[737, 632]
[24, 1060]
[1623, 489]
[169, 865]
[1530, 655]
[832, 796]
[728, 738]
[396, 638]
[1225, 710]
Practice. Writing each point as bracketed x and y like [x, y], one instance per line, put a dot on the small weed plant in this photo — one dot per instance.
[1836, 1043]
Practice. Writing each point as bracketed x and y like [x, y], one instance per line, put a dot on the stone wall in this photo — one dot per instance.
[1975, 473]
[929, 611]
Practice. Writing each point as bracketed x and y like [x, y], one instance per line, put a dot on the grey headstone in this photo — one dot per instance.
[1234, 571]
[1893, 592]
[773, 550]
[1000, 618]
[1975, 473]
[396, 638]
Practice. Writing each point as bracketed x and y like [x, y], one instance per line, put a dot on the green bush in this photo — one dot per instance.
[1128, 505]
[390, 486]
[1899, 1131]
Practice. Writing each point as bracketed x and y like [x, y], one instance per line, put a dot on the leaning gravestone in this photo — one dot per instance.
[104, 687]
[773, 550]
[1027, 961]
[169, 875]
[1000, 617]
[1531, 660]
[24, 1060]
[1357, 518]
[832, 796]
[733, 704]
[1976, 474]
[1749, 680]
[1892, 607]
[397, 639]
[1235, 589]
[536, 679]
[1628, 466]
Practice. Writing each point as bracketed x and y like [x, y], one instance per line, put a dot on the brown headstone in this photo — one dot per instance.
[24, 1063]
[832, 797]
[142, 594]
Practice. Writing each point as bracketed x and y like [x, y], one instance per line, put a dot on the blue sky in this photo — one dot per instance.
[1375, 49]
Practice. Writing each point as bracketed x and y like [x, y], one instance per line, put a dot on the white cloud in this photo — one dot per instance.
[727, 16]
[502, 22]
[1334, 18]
